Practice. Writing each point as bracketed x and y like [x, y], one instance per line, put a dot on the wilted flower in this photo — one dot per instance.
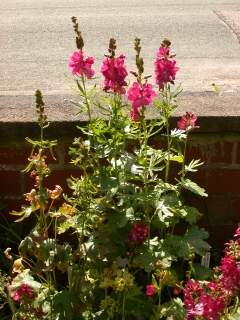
[81, 66]
[165, 66]
[138, 234]
[24, 291]
[150, 290]
[18, 267]
[114, 72]
[187, 121]
[140, 96]
[7, 253]
[54, 194]
[33, 198]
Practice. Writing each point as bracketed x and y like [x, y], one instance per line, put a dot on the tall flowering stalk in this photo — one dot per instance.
[114, 70]
[81, 66]
[165, 73]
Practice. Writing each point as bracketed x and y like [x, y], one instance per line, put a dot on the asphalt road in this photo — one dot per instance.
[37, 38]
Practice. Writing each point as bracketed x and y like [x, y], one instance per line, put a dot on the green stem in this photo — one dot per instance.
[168, 150]
[184, 156]
[115, 123]
[11, 305]
[123, 306]
[86, 99]
[159, 296]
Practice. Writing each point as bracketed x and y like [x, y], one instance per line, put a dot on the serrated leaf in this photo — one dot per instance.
[193, 187]
[177, 158]
[193, 165]
[196, 238]
[145, 261]
[190, 214]
[177, 133]
[201, 272]
[177, 246]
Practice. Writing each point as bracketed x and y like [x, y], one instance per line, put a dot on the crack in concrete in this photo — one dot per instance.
[229, 18]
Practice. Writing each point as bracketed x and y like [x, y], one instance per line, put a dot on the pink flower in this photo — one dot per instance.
[230, 277]
[237, 233]
[187, 121]
[24, 291]
[199, 302]
[140, 95]
[150, 290]
[80, 66]
[138, 234]
[165, 67]
[163, 52]
[115, 72]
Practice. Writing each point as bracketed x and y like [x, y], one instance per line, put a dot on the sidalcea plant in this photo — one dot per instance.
[129, 202]
[113, 249]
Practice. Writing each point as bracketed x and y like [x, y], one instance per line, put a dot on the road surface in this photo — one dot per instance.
[37, 38]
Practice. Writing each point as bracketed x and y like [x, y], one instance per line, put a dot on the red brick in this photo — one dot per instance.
[238, 153]
[234, 209]
[19, 155]
[223, 181]
[14, 155]
[199, 177]
[197, 151]
[218, 208]
[220, 235]
[67, 157]
[222, 152]
[10, 184]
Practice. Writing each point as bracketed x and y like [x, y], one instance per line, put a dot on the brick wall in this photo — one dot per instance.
[220, 176]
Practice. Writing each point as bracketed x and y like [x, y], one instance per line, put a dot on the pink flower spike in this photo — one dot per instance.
[140, 96]
[80, 66]
[114, 72]
[165, 67]
[187, 121]
[150, 290]
[163, 52]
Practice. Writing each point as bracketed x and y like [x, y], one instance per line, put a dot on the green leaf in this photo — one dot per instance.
[63, 304]
[145, 261]
[177, 158]
[26, 246]
[25, 213]
[173, 310]
[201, 272]
[193, 165]
[193, 187]
[177, 246]
[190, 214]
[196, 238]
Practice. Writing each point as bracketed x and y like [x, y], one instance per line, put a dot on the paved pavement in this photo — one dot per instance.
[36, 40]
